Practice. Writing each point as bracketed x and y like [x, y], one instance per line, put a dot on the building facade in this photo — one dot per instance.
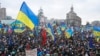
[42, 18]
[2, 13]
[72, 18]
[95, 23]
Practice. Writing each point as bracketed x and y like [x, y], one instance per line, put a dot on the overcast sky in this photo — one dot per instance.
[88, 10]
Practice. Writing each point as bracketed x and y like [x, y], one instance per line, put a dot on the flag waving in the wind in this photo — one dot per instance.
[69, 32]
[27, 17]
[63, 26]
[96, 31]
[50, 31]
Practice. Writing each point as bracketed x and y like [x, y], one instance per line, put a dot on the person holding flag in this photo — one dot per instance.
[44, 36]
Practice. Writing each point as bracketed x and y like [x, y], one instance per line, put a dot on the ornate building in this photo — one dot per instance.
[42, 18]
[72, 18]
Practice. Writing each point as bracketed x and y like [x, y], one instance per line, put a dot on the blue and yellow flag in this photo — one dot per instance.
[96, 31]
[59, 30]
[27, 17]
[19, 30]
[50, 31]
[18, 26]
[63, 26]
[69, 33]
[1, 26]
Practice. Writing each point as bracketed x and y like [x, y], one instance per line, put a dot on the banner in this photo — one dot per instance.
[31, 52]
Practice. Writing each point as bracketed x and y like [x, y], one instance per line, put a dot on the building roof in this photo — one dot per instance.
[73, 15]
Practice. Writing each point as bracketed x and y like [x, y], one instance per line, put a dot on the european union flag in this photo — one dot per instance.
[91, 43]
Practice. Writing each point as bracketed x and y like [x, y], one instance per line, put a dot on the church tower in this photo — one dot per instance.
[72, 8]
[42, 18]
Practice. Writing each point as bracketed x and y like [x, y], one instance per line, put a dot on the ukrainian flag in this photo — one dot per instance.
[59, 30]
[18, 26]
[1, 26]
[96, 31]
[68, 33]
[50, 31]
[19, 30]
[63, 26]
[27, 17]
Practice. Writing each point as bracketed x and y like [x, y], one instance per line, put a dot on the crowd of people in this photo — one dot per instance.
[79, 44]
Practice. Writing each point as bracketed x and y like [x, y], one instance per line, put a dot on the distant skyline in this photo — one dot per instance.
[88, 10]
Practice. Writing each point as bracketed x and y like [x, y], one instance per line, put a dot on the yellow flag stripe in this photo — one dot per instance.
[67, 35]
[49, 31]
[19, 30]
[96, 33]
[24, 19]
